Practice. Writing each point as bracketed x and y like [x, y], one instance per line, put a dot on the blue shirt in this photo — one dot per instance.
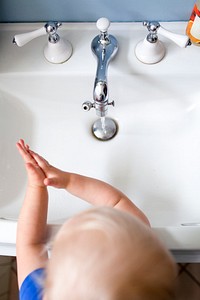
[32, 286]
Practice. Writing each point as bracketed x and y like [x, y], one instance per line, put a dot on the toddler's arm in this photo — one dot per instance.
[31, 227]
[100, 193]
[92, 190]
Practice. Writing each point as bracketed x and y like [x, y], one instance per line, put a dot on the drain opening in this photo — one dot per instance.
[104, 129]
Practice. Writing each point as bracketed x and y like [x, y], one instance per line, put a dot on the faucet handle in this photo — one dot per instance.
[24, 38]
[87, 105]
[181, 40]
[154, 28]
[49, 28]
[103, 24]
[56, 50]
[151, 50]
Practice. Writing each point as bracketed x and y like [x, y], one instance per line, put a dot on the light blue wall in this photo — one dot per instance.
[91, 10]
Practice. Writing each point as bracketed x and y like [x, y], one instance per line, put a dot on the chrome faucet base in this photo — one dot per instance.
[104, 129]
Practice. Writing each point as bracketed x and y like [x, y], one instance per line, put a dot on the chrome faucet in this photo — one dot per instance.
[105, 47]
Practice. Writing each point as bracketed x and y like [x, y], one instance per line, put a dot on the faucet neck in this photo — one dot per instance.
[104, 38]
[104, 51]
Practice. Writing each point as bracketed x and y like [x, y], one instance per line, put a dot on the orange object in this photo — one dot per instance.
[193, 27]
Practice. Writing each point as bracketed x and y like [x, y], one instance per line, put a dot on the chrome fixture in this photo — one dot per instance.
[105, 47]
[151, 50]
[56, 50]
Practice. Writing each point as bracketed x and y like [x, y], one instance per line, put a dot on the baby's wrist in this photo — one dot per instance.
[37, 187]
[66, 180]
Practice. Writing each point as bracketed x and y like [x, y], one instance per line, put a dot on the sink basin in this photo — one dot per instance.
[154, 158]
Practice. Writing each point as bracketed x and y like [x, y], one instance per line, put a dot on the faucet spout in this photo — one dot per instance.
[100, 96]
[104, 47]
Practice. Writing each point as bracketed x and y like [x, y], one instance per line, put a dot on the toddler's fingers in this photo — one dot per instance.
[25, 154]
[24, 146]
[32, 168]
[22, 143]
[39, 159]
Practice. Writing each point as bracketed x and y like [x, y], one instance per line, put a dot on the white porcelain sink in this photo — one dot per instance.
[155, 156]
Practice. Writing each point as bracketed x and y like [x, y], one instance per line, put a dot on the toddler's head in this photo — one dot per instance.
[107, 254]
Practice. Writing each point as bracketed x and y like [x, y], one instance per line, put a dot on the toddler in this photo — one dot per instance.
[108, 252]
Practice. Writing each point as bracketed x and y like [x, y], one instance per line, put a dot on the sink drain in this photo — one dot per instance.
[104, 129]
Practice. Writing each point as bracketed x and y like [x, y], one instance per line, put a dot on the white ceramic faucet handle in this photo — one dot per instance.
[103, 24]
[22, 39]
[180, 39]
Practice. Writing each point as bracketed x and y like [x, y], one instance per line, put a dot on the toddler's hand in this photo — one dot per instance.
[53, 176]
[36, 175]
[40, 172]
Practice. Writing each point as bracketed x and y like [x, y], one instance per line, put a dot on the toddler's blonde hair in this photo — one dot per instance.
[107, 254]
